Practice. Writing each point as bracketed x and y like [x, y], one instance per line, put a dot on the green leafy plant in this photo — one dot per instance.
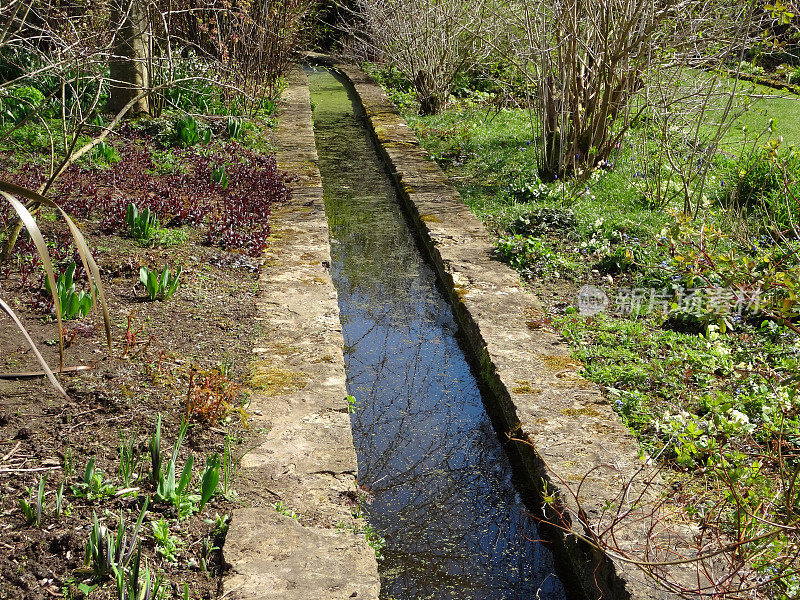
[210, 479]
[32, 508]
[20, 103]
[166, 544]
[285, 510]
[93, 486]
[167, 489]
[233, 127]
[105, 153]
[160, 286]
[220, 176]
[74, 303]
[143, 225]
[529, 191]
[188, 132]
[375, 540]
[541, 221]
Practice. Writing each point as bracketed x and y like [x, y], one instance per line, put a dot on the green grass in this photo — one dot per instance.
[781, 106]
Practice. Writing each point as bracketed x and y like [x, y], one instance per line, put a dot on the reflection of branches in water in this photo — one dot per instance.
[373, 251]
[431, 458]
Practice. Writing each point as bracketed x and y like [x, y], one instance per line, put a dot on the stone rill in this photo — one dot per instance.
[434, 478]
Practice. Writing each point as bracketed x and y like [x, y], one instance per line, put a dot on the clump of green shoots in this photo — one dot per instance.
[143, 225]
[160, 286]
[92, 486]
[32, 508]
[174, 490]
[74, 303]
[107, 553]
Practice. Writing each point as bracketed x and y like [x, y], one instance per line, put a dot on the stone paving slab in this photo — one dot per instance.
[570, 429]
[307, 460]
[296, 562]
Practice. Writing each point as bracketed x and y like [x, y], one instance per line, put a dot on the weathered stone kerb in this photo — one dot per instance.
[307, 461]
[537, 393]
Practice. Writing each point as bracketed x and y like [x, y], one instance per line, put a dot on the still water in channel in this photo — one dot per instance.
[441, 488]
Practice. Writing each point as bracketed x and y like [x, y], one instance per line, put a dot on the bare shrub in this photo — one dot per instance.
[596, 63]
[429, 41]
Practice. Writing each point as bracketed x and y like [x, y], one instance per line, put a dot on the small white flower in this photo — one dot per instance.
[738, 417]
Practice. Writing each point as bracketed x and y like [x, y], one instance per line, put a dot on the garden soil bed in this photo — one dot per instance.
[199, 342]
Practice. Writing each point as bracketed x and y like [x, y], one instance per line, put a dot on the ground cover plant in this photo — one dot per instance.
[697, 349]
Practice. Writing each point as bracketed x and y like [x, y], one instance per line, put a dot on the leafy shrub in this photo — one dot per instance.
[794, 76]
[543, 220]
[750, 68]
[198, 94]
[22, 101]
[767, 278]
[397, 86]
[618, 261]
[529, 191]
[767, 181]
[528, 255]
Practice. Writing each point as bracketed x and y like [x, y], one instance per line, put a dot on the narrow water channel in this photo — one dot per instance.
[439, 480]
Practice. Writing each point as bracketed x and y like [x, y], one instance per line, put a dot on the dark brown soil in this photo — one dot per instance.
[206, 329]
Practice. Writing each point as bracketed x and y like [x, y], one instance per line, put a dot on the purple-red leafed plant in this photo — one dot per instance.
[234, 217]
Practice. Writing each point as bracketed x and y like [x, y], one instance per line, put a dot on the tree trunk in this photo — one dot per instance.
[129, 65]
[430, 101]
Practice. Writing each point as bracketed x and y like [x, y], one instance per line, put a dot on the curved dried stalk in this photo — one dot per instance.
[41, 247]
[89, 264]
[7, 309]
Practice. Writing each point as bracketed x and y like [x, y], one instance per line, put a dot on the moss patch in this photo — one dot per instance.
[285, 349]
[460, 291]
[524, 387]
[558, 362]
[275, 381]
[430, 219]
